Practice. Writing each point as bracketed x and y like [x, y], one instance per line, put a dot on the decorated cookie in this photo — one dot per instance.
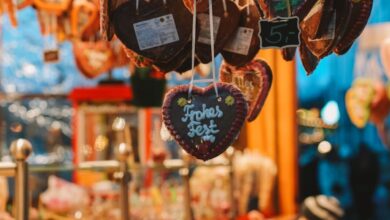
[93, 58]
[358, 102]
[254, 80]
[202, 123]
[360, 12]
[153, 29]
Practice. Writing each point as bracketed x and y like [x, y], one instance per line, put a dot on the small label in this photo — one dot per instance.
[241, 41]
[204, 34]
[156, 32]
[51, 56]
[280, 32]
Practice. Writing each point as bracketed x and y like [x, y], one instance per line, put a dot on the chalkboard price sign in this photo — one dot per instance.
[280, 32]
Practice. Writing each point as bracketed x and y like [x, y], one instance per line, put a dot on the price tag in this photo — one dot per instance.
[241, 41]
[156, 32]
[280, 32]
[51, 56]
[204, 33]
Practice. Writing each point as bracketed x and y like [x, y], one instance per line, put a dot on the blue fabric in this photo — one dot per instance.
[21, 63]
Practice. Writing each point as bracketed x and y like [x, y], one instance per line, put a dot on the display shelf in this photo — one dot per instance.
[110, 166]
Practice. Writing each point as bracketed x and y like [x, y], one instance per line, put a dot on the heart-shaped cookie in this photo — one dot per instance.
[225, 24]
[380, 105]
[360, 13]
[204, 124]
[93, 58]
[83, 16]
[358, 102]
[254, 80]
[335, 29]
[244, 44]
[106, 8]
[156, 30]
[309, 61]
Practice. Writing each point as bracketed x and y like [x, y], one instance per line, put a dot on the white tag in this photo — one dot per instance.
[156, 32]
[241, 41]
[204, 34]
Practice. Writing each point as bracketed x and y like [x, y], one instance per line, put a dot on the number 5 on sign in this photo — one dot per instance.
[280, 32]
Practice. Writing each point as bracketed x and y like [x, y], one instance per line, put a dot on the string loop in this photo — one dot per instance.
[213, 71]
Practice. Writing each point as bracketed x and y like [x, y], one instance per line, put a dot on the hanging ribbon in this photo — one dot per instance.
[213, 71]
[288, 5]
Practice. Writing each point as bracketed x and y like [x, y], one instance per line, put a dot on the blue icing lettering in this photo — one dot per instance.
[197, 128]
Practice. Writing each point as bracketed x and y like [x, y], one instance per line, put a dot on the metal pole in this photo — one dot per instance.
[21, 150]
[233, 203]
[124, 152]
[185, 175]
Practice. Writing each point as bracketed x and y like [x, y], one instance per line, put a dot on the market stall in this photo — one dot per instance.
[181, 109]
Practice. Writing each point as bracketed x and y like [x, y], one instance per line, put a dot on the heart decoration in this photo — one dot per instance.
[254, 80]
[225, 24]
[309, 60]
[93, 58]
[380, 105]
[204, 124]
[244, 44]
[324, 43]
[316, 22]
[358, 102]
[360, 12]
[154, 30]
[83, 16]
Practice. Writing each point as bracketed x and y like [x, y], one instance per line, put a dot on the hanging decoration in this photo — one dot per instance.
[159, 30]
[243, 45]
[204, 124]
[254, 80]
[204, 121]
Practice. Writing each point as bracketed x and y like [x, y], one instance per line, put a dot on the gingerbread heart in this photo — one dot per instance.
[225, 24]
[380, 105]
[254, 80]
[358, 101]
[309, 60]
[154, 30]
[93, 58]
[360, 12]
[83, 16]
[244, 44]
[204, 124]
